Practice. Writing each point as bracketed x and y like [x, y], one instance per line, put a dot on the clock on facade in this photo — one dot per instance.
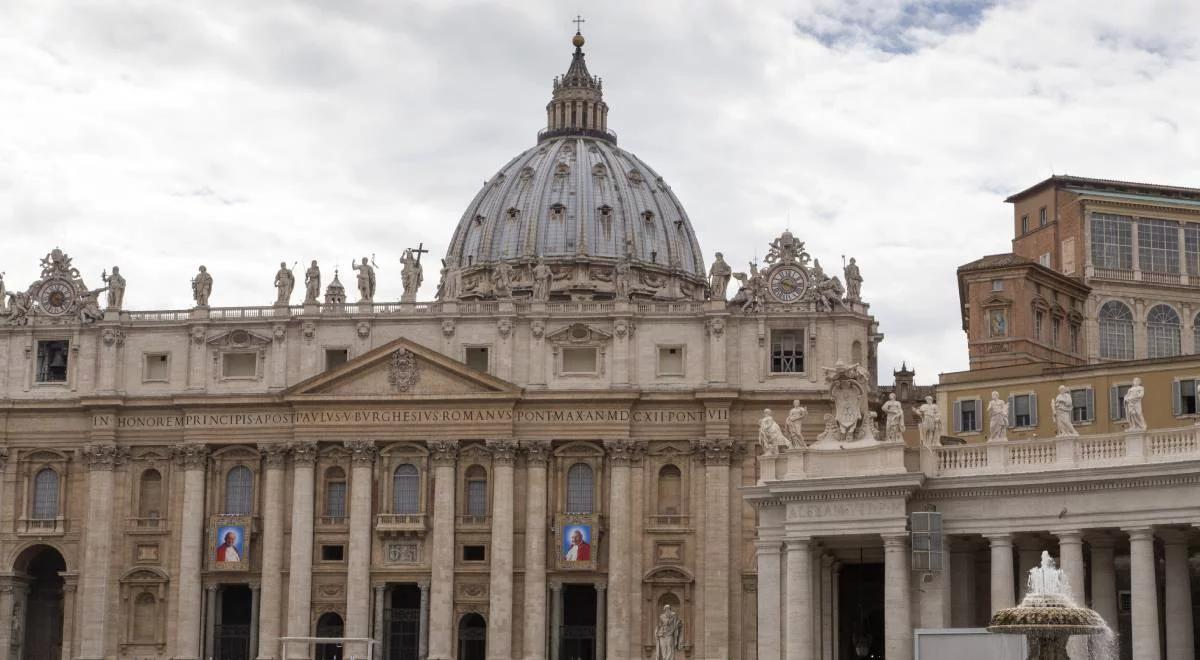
[787, 283]
[56, 296]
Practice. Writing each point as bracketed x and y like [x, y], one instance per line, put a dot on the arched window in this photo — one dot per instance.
[45, 494]
[406, 489]
[477, 498]
[1116, 331]
[145, 619]
[580, 488]
[150, 494]
[1162, 332]
[670, 491]
[335, 492]
[239, 491]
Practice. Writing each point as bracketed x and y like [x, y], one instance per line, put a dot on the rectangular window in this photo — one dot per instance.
[474, 553]
[1038, 320]
[336, 357]
[670, 360]
[477, 358]
[787, 351]
[966, 416]
[52, 359]
[1082, 405]
[1025, 224]
[1116, 401]
[335, 499]
[1042, 219]
[1074, 337]
[579, 360]
[157, 368]
[1112, 241]
[1055, 331]
[1185, 397]
[1044, 259]
[1067, 255]
[997, 285]
[1191, 247]
[477, 498]
[1023, 410]
[333, 553]
[239, 365]
[1158, 246]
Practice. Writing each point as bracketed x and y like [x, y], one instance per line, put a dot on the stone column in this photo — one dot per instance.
[358, 563]
[1070, 558]
[6, 612]
[1104, 579]
[500, 588]
[304, 457]
[274, 457]
[717, 453]
[193, 460]
[767, 553]
[1002, 571]
[444, 453]
[68, 612]
[799, 600]
[556, 619]
[962, 585]
[377, 634]
[601, 612]
[897, 619]
[1178, 606]
[100, 459]
[255, 608]
[423, 629]
[827, 562]
[211, 592]
[1029, 556]
[1144, 588]
[536, 455]
[620, 454]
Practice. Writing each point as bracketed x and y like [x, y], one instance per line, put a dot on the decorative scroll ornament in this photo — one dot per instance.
[57, 295]
[850, 422]
[403, 370]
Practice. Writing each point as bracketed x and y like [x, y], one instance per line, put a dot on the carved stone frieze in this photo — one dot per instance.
[274, 455]
[363, 329]
[443, 452]
[448, 328]
[304, 453]
[537, 452]
[504, 452]
[308, 330]
[715, 326]
[538, 329]
[362, 452]
[104, 456]
[504, 327]
[403, 370]
[199, 333]
[113, 336]
[623, 328]
[190, 456]
[279, 332]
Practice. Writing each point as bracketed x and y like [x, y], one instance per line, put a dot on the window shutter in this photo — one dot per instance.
[1012, 412]
[958, 417]
[1091, 405]
[1176, 399]
[1114, 403]
[1033, 410]
[978, 415]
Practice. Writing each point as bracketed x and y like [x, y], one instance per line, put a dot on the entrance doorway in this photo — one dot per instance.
[403, 620]
[578, 635]
[330, 625]
[232, 632]
[472, 637]
[860, 611]
[43, 614]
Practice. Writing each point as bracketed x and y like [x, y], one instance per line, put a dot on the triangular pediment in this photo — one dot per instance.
[402, 369]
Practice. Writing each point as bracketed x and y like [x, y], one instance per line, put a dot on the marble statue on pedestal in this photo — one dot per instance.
[285, 281]
[543, 275]
[668, 636]
[116, 287]
[893, 425]
[312, 283]
[718, 277]
[930, 421]
[411, 275]
[621, 275]
[502, 276]
[794, 424]
[1063, 426]
[770, 436]
[854, 281]
[448, 284]
[1134, 420]
[366, 280]
[997, 418]
[202, 287]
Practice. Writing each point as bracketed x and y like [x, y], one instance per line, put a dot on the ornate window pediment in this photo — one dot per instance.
[579, 333]
[238, 339]
[996, 301]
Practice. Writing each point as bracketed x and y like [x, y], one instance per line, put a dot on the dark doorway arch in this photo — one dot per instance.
[42, 614]
[472, 637]
[330, 625]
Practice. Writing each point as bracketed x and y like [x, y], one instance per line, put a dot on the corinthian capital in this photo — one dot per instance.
[190, 456]
[443, 452]
[504, 452]
[104, 456]
[362, 452]
[304, 453]
[537, 452]
[624, 452]
[715, 451]
[274, 455]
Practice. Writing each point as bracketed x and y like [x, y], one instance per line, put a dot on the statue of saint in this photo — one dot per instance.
[997, 418]
[668, 636]
[770, 436]
[502, 276]
[411, 275]
[893, 424]
[116, 287]
[853, 281]
[930, 421]
[366, 280]
[448, 284]
[793, 424]
[718, 277]
[621, 274]
[312, 283]
[542, 276]
[202, 287]
[1134, 420]
[285, 281]
[1063, 426]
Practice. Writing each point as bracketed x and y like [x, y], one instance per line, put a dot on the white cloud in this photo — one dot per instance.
[161, 136]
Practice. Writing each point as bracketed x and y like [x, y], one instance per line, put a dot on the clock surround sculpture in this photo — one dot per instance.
[58, 296]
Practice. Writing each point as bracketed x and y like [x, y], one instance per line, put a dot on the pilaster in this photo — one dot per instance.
[717, 454]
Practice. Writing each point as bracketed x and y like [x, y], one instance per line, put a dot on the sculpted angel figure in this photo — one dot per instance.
[770, 436]
[1134, 420]
[997, 418]
[1063, 425]
[793, 424]
[893, 425]
[931, 421]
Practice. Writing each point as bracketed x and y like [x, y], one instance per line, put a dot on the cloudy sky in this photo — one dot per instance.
[158, 136]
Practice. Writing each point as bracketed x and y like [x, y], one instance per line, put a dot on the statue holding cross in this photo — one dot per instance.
[412, 274]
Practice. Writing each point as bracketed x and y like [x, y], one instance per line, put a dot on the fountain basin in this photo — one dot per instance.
[1047, 615]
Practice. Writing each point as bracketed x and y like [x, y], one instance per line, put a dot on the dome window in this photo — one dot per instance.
[479, 219]
[562, 169]
[605, 212]
[556, 211]
[526, 173]
[648, 216]
[599, 170]
[513, 212]
[635, 177]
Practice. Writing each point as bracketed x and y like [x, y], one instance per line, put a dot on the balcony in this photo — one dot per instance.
[150, 525]
[400, 524]
[332, 521]
[42, 526]
[668, 523]
[474, 522]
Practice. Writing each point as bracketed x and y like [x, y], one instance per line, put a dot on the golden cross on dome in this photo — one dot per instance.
[578, 19]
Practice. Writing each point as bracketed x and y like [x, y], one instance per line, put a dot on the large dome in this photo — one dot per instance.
[583, 205]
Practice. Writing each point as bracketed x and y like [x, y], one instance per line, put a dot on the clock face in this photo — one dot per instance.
[56, 297]
[787, 284]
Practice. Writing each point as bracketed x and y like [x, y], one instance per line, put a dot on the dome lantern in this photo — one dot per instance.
[577, 104]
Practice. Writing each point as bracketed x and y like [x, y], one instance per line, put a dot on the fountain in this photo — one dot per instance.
[1047, 616]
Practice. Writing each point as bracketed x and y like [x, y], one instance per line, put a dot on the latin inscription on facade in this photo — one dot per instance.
[844, 509]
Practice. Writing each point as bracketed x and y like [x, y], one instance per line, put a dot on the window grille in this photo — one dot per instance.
[787, 352]
[335, 494]
[1116, 331]
[150, 495]
[45, 494]
[1191, 248]
[1162, 332]
[406, 489]
[580, 488]
[1112, 241]
[477, 501]
[239, 489]
[1158, 246]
